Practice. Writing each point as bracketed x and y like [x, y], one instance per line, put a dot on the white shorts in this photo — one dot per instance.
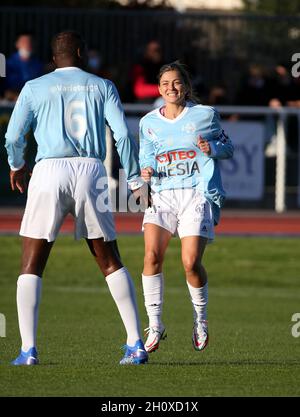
[185, 212]
[59, 186]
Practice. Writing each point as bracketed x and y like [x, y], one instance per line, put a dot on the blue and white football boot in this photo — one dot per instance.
[135, 355]
[27, 358]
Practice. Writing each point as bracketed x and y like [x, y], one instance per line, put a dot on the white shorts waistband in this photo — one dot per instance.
[72, 158]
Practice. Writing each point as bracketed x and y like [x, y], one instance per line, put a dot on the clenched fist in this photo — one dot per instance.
[146, 173]
[204, 146]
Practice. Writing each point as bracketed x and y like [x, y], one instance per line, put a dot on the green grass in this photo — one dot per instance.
[254, 290]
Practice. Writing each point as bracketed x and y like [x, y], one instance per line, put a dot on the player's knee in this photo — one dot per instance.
[109, 266]
[153, 259]
[30, 267]
[191, 264]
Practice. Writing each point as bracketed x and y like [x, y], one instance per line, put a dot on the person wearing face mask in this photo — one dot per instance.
[22, 65]
[94, 62]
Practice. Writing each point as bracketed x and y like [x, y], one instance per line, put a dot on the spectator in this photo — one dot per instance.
[144, 75]
[199, 83]
[280, 86]
[96, 66]
[285, 91]
[22, 66]
[217, 96]
[293, 100]
[293, 97]
[255, 88]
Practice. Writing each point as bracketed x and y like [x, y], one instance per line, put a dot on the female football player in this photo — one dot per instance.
[180, 144]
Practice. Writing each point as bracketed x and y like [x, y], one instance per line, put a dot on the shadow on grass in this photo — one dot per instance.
[242, 362]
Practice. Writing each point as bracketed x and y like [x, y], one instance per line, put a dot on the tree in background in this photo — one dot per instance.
[276, 7]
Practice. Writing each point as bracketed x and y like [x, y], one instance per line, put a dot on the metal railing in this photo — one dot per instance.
[281, 115]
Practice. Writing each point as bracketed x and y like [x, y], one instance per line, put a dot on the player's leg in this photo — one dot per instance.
[196, 229]
[35, 253]
[192, 248]
[156, 242]
[47, 204]
[106, 255]
[122, 290]
[196, 277]
[94, 221]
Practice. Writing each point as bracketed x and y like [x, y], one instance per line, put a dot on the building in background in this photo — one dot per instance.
[189, 5]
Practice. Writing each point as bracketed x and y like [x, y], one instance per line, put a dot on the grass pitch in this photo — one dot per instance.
[254, 290]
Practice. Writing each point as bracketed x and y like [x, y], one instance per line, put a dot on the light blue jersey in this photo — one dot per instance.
[170, 148]
[67, 110]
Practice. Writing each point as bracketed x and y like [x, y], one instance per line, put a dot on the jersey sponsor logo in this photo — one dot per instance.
[74, 88]
[185, 165]
[182, 168]
[175, 156]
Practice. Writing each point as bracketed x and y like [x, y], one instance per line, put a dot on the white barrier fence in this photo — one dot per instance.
[248, 181]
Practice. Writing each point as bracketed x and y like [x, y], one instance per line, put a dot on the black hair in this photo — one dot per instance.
[66, 43]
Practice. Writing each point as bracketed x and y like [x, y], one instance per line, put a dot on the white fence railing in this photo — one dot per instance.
[280, 114]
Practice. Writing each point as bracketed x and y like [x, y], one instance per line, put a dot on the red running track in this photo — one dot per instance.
[232, 223]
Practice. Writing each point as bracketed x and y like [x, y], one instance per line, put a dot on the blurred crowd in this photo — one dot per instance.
[259, 86]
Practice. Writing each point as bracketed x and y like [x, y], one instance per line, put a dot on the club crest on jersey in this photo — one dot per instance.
[189, 128]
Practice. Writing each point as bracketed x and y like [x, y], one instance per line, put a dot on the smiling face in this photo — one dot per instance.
[172, 88]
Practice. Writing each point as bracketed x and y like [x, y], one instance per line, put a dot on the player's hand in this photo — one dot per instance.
[142, 196]
[146, 173]
[204, 146]
[19, 179]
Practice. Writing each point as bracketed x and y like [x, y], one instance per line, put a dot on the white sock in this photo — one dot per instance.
[199, 297]
[153, 287]
[122, 290]
[28, 299]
